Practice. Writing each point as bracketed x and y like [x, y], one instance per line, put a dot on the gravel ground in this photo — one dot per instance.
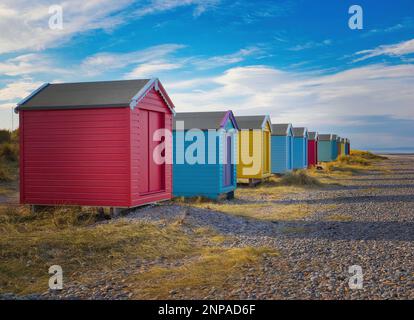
[370, 223]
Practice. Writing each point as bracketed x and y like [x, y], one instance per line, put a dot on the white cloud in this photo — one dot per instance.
[393, 50]
[102, 62]
[24, 24]
[304, 99]
[224, 60]
[30, 63]
[18, 90]
[155, 6]
[151, 69]
[311, 44]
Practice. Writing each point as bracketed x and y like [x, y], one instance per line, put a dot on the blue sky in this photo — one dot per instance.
[296, 60]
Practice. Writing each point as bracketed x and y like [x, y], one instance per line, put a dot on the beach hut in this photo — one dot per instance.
[93, 144]
[334, 147]
[254, 145]
[326, 147]
[282, 148]
[209, 170]
[348, 146]
[343, 151]
[300, 148]
[338, 146]
[312, 149]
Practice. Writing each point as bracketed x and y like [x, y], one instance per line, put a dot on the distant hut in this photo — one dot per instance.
[338, 146]
[335, 147]
[300, 148]
[254, 144]
[312, 149]
[282, 148]
[326, 147]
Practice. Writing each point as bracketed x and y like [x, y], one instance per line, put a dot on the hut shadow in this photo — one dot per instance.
[379, 179]
[278, 229]
[352, 230]
[378, 186]
[351, 199]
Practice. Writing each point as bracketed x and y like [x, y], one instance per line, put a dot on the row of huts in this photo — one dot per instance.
[93, 144]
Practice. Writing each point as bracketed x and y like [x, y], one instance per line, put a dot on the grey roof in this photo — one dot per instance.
[84, 94]
[299, 132]
[251, 122]
[280, 129]
[334, 136]
[313, 135]
[325, 137]
[200, 120]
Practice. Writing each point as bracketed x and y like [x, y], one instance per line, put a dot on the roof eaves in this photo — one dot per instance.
[30, 96]
[267, 120]
[152, 83]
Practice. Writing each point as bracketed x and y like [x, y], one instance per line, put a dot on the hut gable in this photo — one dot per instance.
[206, 120]
[313, 136]
[282, 129]
[101, 94]
[300, 132]
[254, 122]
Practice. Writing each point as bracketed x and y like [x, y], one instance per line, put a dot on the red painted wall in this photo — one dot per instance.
[312, 153]
[94, 157]
[75, 157]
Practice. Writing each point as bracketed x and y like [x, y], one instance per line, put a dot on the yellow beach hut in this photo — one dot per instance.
[343, 151]
[254, 149]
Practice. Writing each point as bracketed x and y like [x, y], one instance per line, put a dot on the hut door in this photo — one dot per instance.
[266, 150]
[228, 165]
[152, 176]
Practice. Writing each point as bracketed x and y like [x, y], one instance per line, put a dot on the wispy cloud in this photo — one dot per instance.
[155, 6]
[393, 50]
[24, 24]
[310, 45]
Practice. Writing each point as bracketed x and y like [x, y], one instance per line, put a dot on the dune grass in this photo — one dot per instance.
[87, 247]
[219, 269]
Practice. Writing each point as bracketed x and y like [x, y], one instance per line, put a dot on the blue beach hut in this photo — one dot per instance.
[300, 148]
[282, 148]
[326, 147]
[204, 153]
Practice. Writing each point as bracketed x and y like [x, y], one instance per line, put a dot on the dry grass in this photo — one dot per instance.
[219, 268]
[355, 163]
[338, 217]
[86, 249]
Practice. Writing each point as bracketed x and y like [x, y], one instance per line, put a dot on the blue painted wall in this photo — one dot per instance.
[325, 151]
[334, 150]
[207, 180]
[300, 150]
[281, 154]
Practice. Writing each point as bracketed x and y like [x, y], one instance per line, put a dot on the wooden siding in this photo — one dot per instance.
[140, 159]
[75, 157]
[281, 154]
[325, 151]
[312, 153]
[203, 179]
[299, 153]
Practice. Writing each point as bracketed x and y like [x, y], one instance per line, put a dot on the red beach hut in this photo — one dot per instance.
[312, 149]
[92, 144]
